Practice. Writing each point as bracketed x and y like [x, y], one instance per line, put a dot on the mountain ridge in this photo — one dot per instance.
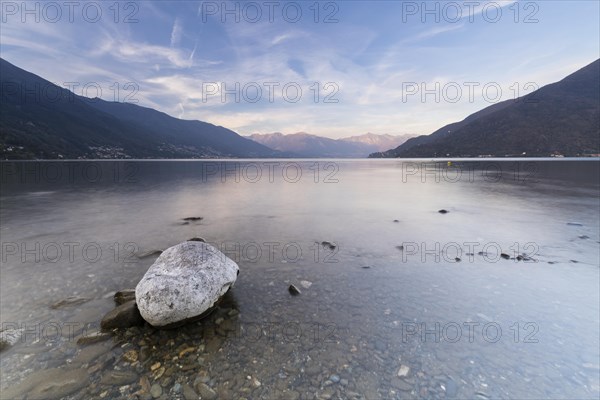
[71, 127]
[562, 118]
[305, 144]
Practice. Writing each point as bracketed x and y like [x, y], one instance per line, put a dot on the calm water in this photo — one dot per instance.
[377, 322]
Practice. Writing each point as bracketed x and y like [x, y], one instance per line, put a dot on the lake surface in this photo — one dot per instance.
[410, 303]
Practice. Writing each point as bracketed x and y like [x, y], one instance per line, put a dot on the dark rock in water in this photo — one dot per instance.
[442, 211]
[70, 301]
[551, 262]
[149, 253]
[457, 259]
[124, 316]
[583, 237]
[197, 239]
[400, 248]
[93, 337]
[396, 220]
[294, 291]
[123, 296]
[481, 253]
[524, 257]
[470, 254]
[574, 261]
[193, 218]
[328, 244]
[574, 224]
[366, 266]
[505, 256]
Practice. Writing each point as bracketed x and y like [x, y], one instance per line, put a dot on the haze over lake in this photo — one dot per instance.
[396, 285]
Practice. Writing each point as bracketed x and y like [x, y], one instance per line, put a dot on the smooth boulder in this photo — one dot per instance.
[185, 282]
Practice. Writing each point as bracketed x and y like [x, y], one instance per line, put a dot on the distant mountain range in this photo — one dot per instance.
[306, 145]
[41, 120]
[562, 118]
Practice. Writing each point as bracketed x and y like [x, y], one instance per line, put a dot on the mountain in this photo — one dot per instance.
[560, 118]
[379, 142]
[41, 120]
[306, 145]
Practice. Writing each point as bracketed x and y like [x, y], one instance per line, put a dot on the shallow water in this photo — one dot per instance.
[482, 327]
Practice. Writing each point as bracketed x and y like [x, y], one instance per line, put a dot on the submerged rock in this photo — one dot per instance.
[306, 284]
[9, 337]
[403, 371]
[184, 283]
[118, 378]
[442, 211]
[93, 337]
[123, 296]
[328, 244]
[124, 316]
[70, 301]
[149, 253]
[294, 291]
[193, 218]
[505, 256]
[48, 384]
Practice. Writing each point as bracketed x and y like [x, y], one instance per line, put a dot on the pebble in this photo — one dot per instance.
[159, 373]
[403, 371]
[189, 393]
[185, 351]
[155, 366]
[118, 378]
[131, 356]
[93, 337]
[401, 384]
[205, 391]
[156, 391]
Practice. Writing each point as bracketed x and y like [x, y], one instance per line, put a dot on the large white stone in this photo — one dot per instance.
[185, 281]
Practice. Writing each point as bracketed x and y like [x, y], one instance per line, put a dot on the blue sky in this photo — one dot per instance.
[372, 61]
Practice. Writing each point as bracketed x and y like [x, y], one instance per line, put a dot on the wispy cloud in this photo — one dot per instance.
[176, 33]
[438, 30]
